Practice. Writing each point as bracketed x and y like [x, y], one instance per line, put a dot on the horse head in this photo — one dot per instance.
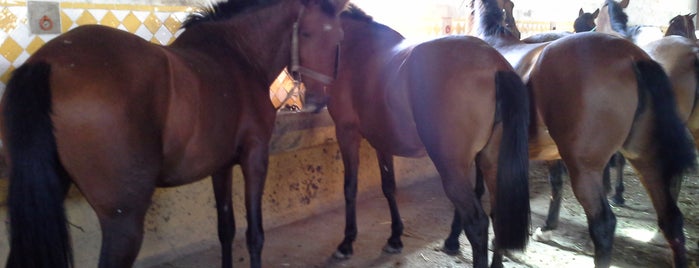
[315, 41]
[585, 21]
[682, 25]
[509, 23]
[612, 19]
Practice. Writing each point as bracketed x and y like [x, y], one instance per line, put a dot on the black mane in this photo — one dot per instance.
[222, 11]
[491, 19]
[354, 12]
[617, 17]
[228, 9]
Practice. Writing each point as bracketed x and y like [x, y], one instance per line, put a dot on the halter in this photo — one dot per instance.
[296, 69]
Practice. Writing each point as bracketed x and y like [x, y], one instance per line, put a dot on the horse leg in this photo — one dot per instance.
[388, 185]
[254, 167]
[662, 195]
[556, 170]
[473, 219]
[589, 190]
[222, 184]
[348, 140]
[121, 206]
[618, 197]
[451, 244]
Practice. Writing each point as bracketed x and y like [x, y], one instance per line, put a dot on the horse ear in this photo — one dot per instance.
[594, 15]
[581, 12]
[624, 3]
[691, 15]
[340, 5]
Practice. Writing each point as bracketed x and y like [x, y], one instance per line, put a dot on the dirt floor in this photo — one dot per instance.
[427, 216]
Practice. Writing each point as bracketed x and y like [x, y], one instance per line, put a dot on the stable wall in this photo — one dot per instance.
[305, 178]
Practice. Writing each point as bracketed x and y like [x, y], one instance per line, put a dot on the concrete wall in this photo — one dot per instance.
[305, 177]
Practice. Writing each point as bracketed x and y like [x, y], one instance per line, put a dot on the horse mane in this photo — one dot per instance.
[491, 18]
[617, 17]
[353, 12]
[228, 9]
[221, 11]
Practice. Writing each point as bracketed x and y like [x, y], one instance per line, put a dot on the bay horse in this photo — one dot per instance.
[118, 116]
[677, 52]
[592, 95]
[454, 98]
[583, 23]
[682, 25]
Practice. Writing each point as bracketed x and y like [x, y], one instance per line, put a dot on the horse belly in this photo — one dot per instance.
[542, 146]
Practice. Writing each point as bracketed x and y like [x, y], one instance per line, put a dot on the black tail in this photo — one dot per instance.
[675, 148]
[512, 212]
[38, 231]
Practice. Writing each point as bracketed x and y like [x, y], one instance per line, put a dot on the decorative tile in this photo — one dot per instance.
[66, 22]
[98, 14]
[152, 23]
[4, 77]
[110, 20]
[8, 20]
[86, 18]
[34, 45]
[10, 49]
[131, 22]
[172, 24]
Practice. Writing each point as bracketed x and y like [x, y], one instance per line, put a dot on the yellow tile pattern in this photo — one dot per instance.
[86, 18]
[110, 20]
[8, 21]
[152, 23]
[34, 45]
[131, 22]
[10, 49]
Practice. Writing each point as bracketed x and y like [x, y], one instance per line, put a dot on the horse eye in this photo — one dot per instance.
[327, 27]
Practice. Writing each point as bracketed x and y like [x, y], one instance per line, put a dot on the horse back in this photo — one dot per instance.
[453, 77]
[586, 93]
[678, 57]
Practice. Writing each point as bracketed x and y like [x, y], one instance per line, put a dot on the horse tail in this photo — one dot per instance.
[675, 150]
[38, 225]
[512, 213]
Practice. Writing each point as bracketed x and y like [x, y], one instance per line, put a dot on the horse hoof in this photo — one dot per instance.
[341, 256]
[542, 236]
[391, 250]
[451, 252]
[618, 202]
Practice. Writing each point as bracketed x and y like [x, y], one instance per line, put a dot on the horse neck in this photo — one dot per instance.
[488, 17]
[261, 37]
[367, 43]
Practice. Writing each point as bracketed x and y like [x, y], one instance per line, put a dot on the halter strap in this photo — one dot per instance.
[296, 69]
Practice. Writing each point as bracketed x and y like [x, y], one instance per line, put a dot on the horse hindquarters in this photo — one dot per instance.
[668, 153]
[38, 232]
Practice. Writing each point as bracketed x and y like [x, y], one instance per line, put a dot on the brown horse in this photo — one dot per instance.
[455, 98]
[583, 23]
[592, 95]
[682, 25]
[118, 116]
[677, 52]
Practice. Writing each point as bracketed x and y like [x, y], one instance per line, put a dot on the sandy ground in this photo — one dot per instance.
[427, 216]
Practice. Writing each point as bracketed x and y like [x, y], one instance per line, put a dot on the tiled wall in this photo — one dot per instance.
[157, 24]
